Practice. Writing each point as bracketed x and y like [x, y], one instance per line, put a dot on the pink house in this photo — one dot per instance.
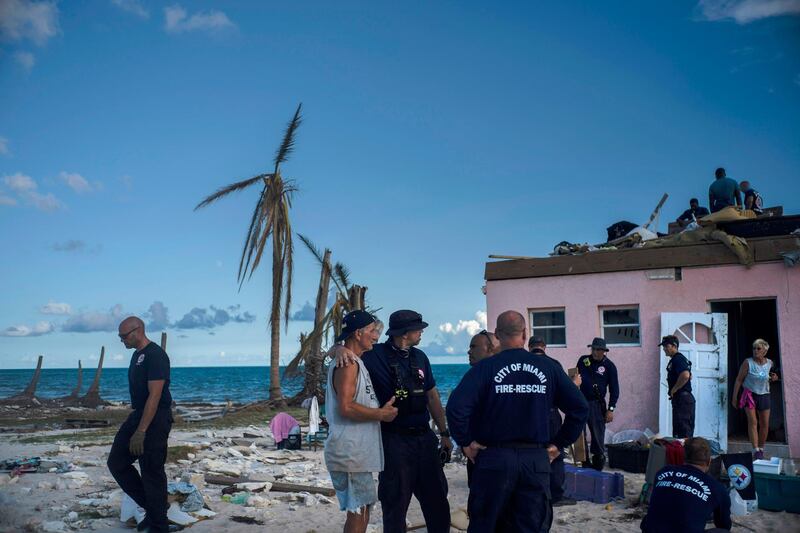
[701, 293]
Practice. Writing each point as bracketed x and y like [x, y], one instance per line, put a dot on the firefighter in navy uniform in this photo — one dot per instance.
[679, 382]
[599, 377]
[144, 434]
[538, 346]
[412, 461]
[499, 415]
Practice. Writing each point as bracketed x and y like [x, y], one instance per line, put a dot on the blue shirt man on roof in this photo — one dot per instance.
[499, 415]
[723, 192]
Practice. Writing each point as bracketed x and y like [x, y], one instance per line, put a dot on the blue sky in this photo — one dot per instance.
[435, 134]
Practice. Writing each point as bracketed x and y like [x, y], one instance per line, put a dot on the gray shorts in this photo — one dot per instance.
[762, 401]
[355, 490]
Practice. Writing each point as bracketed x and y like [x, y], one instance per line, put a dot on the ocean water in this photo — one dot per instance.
[188, 384]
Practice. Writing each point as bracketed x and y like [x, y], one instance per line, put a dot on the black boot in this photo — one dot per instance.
[598, 462]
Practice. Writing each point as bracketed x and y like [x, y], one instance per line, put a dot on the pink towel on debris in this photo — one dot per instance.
[746, 400]
[281, 425]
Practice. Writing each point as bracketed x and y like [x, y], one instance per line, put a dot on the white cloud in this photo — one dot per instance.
[472, 327]
[25, 187]
[20, 183]
[133, 7]
[87, 322]
[746, 11]
[158, 315]
[56, 308]
[4, 150]
[25, 59]
[453, 338]
[22, 20]
[7, 200]
[118, 357]
[40, 328]
[176, 20]
[76, 182]
[45, 202]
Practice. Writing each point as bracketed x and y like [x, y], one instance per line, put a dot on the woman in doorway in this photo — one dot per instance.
[754, 377]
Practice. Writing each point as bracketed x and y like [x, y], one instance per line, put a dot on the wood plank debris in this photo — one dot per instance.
[277, 486]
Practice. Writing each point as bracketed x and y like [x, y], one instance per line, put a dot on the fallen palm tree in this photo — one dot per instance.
[28, 396]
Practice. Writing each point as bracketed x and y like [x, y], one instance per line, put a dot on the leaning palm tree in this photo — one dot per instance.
[270, 219]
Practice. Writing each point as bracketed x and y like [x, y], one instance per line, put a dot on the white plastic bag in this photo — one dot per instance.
[738, 505]
[129, 509]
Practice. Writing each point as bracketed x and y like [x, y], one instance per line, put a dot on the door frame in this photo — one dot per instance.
[717, 323]
[774, 300]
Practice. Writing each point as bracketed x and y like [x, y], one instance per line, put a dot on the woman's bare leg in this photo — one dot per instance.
[763, 428]
[752, 427]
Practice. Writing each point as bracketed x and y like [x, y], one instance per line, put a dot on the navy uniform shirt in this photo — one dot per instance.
[677, 364]
[690, 213]
[683, 499]
[507, 398]
[380, 372]
[148, 364]
[601, 373]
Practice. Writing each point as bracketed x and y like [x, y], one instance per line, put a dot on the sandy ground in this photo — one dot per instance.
[40, 502]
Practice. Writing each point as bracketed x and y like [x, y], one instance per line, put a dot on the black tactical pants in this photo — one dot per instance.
[412, 467]
[683, 415]
[558, 475]
[597, 429]
[510, 491]
[148, 490]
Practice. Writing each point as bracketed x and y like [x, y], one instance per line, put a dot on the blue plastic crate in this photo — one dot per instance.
[590, 485]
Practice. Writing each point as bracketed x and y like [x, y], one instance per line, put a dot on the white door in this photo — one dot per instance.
[704, 341]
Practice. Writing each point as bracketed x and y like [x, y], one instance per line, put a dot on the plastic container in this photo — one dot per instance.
[771, 466]
[628, 457]
[778, 493]
[590, 485]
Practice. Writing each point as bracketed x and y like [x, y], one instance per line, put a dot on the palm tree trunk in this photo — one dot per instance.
[312, 385]
[275, 392]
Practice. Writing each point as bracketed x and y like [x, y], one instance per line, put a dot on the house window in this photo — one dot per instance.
[621, 326]
[550, 324]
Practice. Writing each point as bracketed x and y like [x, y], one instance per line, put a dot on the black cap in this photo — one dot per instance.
[536, 339]
[669, 339]
[353, 321]
[403, 321]
[599, 343]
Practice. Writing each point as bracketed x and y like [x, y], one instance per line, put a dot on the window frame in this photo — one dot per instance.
[532, 310]
[603, 325]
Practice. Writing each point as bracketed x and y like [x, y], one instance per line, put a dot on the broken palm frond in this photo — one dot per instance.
[287, 146]
[270, 219]
[342, 274]
[233, 187]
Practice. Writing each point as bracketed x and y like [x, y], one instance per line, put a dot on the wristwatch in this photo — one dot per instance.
[612, 408]
[444, 433]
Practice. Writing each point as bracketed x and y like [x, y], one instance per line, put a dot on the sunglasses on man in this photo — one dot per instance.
[123, 336]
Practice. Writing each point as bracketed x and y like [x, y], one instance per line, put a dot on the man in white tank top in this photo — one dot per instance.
[354, 450]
